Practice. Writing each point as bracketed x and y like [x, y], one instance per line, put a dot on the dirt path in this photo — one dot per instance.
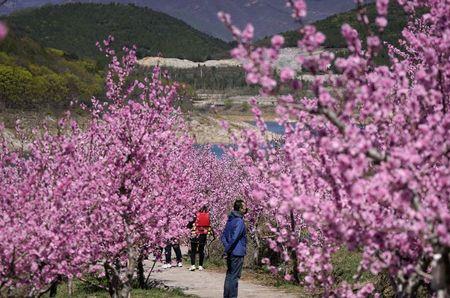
[209, 284]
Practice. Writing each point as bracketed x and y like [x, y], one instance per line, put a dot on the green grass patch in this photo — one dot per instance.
[83, 290]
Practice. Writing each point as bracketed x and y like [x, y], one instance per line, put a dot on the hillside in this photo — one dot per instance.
[268, 16]
[75, 27]
[32, 76]
[331, 26]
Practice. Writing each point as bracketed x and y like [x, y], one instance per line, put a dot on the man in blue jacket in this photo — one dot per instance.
[234, 240]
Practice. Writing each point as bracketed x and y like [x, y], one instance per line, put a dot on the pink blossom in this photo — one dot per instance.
[366, 166]
[373, 42]
[311, 38]
[247, 34]
[277, 41]
[287, 74]
[125, 185]
[252, 78]
[382, 7]
[381, 22]
[299, 8]
[224, 17]
[268, 83]
[3, 31]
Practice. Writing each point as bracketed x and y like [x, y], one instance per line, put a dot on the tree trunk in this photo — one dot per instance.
[257, 250]
[133, 255]
[441, 274]
[120, 285]
[113, 277]
[54, 289]
[293, 253]
[119, 282]
[140, 272]
[70, 287]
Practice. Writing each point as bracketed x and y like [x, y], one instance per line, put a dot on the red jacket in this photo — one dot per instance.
[202, 223]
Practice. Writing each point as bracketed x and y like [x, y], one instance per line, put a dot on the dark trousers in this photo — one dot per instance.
[234, 269]
[198, 246]
[168, 252]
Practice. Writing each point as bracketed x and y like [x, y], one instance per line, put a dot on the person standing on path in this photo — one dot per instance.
[168, 255]
[200, 228]
[234, 240]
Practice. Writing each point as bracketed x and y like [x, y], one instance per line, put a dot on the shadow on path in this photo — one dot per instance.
[208, 284]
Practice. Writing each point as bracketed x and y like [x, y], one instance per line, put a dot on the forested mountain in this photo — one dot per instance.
[268, 16]
[331, 26]
[75, 28]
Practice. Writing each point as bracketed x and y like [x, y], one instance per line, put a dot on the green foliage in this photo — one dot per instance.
[212, 78]
[81, 290]
[331, 26]
[76, 27]
[345, 265]
[32, 76]
[245, 107]
[228, 104]
[15, 83]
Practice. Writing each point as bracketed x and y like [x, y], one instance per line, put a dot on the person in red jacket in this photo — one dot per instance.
[200, 227]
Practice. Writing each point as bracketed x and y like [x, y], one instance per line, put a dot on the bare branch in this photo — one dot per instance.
[376, 155]
[332, 117]
[424, 274]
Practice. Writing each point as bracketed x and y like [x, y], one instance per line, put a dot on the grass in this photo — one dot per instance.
[345, 267]
[82, 290]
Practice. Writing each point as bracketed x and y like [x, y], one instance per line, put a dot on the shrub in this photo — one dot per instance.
[228, 104]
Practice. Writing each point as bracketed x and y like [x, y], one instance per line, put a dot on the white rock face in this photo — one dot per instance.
[287, 58]
[183, 63]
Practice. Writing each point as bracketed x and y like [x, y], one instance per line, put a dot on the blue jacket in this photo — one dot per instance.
[234, 237]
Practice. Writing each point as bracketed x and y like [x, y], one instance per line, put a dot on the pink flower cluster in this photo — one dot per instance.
[3, 31]
[299, 8]
[98, 199]
[382, 9]
[364, 164]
